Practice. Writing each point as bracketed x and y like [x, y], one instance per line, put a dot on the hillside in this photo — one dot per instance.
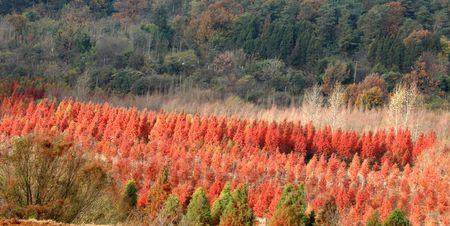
[265, 52]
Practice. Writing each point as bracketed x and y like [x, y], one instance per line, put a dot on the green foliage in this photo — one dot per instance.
[237, 212]
[285, 46]
[291, 208]
[221, 203]
[84, 42]
[130, 194]
[198, 211]
[180, 61]
[397, 218]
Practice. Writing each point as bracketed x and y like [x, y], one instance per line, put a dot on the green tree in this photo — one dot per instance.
[198, 211]
[221, 203]
[347, 39]
[291, 208]
[184, 61]
[238, 212]
[397, 218]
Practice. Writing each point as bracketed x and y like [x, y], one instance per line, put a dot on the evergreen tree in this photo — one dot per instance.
[397, 218]
[346, 39]
[291, 208]
[198, 211]
[238, 212]
[221, 203]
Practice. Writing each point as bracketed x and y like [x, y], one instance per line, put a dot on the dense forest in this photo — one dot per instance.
[263, 51]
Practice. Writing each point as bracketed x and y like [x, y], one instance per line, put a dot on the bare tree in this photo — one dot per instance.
[403, 105]
[312, 103]
[336, 104]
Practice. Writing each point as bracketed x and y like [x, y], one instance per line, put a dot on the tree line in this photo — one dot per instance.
[262, 51]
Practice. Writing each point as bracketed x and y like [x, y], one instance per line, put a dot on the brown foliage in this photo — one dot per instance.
[48, 178]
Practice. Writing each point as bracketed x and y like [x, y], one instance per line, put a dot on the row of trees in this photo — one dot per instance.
[232, 208]
[209, 151]
[105, 123]
[255, 50]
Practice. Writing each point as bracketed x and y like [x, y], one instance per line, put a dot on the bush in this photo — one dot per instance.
[158, 194]
[370, 99]
[47, 178]
[374, 220]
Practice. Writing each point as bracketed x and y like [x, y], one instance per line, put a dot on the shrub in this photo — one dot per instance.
[374, 220]
[370, 99]
[48, 178]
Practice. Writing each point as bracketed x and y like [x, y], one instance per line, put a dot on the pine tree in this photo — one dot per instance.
[238, 212]
[198, 211]
[291, 207]
[221, 203]
[397, 218]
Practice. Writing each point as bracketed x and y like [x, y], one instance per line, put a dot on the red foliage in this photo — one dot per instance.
[363, 172]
